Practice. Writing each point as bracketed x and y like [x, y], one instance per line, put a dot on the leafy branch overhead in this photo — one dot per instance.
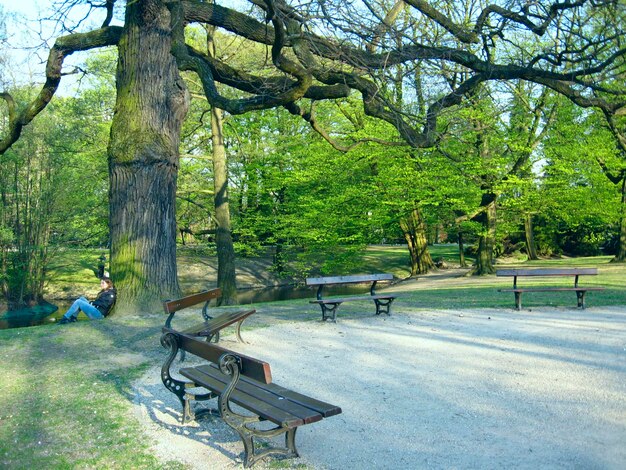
[324, 50]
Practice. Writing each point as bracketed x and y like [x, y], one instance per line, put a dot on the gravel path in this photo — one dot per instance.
[477, 389]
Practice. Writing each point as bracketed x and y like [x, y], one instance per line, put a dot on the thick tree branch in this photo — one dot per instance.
[63, 47]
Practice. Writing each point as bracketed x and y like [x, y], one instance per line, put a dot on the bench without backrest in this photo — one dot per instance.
[236, 378]
[549, 272]
[210, 327]
[329, 305]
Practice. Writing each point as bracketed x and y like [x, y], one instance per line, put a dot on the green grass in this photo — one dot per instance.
[66, 396]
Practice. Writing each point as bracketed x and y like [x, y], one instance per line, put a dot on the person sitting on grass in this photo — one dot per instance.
[96, 309]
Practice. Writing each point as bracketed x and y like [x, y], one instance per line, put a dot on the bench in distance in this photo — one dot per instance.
[247, 382]
[210, 327]
[329, 305]
[549, 272]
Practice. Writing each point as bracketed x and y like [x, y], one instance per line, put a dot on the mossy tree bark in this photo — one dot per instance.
[486, 240]
[531, 248]
[414, 230]
[143, 160]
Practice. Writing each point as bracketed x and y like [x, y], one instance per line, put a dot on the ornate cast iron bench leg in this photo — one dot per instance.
[383, 306]
[178, 387]
[241, 424]
[518, 300]
[580, 297]
[329, 312]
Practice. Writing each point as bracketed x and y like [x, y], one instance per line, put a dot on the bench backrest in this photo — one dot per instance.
[250, 367]
[172, 306]
[316, 281]
[547, 272]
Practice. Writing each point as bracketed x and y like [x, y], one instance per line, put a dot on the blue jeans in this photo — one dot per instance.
[82, 304]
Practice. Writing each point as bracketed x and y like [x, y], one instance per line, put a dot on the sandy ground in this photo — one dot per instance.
[475, 389]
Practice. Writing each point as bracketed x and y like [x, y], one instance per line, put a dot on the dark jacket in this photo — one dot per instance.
[105, 300]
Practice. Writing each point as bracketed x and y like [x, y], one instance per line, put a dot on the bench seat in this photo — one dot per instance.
[272, 402]
[210, 328]
[549, 289]
[339, 300]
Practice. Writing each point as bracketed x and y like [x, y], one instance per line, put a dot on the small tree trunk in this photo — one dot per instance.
[462, 261]
[226, 275]
[486, 241]
[531, 249]
[620, 257]
[414, 230]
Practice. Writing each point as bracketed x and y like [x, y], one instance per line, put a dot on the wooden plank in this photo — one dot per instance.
[216, 324]
[316, 281]
[171, 306]
[548, 272]
[550, 289]
[247, 396]
[268, 395]
[333, 300]
[325, 409]
[254, 368]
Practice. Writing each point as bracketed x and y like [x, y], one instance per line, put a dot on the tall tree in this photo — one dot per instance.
[353, 53]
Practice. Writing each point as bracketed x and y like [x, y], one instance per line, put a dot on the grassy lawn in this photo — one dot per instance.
[66, 390]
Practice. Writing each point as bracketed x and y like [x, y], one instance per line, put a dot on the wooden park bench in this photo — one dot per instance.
[329, 305]
[233, 378]
[548, 272]
[210, 328]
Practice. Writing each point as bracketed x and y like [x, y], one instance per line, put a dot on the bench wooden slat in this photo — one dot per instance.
[321, 407]
[179, 304]
[209, 328]
[333, 300]
[267, 406]
[316, 281]
[550, 289]
[305, 408]
[254, 368]
[548, 272]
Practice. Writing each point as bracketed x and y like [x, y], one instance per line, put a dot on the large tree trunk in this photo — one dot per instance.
[487, 238]
[226, 275]
[414, 230]
[529, 233]
[143, 161]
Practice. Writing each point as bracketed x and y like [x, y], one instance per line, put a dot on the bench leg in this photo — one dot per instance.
[329, 311]
[178, 387]
[243, 425]
[518, 300]
[580, 297]
[238, 332]
[383, 306]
